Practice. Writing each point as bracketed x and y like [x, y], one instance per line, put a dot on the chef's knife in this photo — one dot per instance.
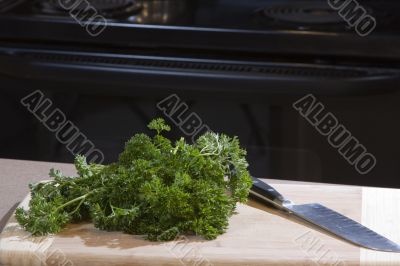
[324, 218]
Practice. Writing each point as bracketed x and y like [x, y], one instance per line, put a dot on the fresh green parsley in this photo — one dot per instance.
[157, 188]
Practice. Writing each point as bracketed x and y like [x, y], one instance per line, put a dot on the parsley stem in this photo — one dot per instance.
[77, 207]
[81, 198]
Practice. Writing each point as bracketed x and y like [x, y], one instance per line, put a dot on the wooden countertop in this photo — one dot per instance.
[257, 235]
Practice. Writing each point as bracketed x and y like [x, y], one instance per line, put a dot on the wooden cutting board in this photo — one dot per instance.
[257, 235]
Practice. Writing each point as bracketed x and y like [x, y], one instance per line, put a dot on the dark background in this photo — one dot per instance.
[239, 65]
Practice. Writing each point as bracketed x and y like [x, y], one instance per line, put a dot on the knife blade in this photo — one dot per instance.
[324, 218]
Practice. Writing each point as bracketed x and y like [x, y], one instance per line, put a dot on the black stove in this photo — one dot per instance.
[273, 26]
[238, 64]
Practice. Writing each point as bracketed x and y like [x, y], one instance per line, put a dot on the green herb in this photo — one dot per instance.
[157, 188]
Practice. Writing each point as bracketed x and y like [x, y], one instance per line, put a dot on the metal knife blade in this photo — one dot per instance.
[324, 218]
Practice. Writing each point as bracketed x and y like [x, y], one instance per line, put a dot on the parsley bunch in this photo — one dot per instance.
[157, 188]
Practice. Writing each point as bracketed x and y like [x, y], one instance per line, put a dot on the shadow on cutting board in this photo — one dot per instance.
[93, 237]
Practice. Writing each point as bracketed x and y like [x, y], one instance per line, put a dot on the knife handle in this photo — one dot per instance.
[267, 194]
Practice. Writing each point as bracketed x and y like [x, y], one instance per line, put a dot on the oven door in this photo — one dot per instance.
[111, 96]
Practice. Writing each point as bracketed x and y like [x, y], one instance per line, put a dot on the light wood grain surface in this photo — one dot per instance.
[257, 235]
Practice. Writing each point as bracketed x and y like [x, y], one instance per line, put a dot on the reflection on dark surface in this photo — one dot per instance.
[237, 14]
[162, 12]
[109, 9]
